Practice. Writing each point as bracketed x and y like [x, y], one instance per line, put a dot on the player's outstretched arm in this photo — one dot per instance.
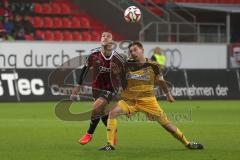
[164, 87]
[170, 98]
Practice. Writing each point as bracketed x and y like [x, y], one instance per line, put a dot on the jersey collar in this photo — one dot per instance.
[106, 57]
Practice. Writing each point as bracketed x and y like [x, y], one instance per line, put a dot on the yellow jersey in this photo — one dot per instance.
[140, 79]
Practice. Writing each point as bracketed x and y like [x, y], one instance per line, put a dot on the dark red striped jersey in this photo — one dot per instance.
[99, 64]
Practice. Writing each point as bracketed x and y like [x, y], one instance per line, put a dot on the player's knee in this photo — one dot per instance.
[112, 114]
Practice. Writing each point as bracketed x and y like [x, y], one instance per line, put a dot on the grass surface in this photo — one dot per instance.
[32, 131]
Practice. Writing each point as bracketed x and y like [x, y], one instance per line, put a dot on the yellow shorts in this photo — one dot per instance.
[148, 105]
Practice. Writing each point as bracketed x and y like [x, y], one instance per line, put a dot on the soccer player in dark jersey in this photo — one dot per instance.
[138, 95]
[99, 61]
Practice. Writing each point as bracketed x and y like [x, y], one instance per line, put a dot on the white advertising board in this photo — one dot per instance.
[52, 54]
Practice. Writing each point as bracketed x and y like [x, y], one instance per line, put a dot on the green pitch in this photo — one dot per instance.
[32, 131]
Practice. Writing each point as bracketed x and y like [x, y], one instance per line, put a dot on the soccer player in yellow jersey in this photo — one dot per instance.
[138, 95]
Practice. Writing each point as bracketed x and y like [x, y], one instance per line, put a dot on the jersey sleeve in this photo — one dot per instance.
[89, 60]
[82, 75]
[159, 80]
[158, 71]
[87, 64]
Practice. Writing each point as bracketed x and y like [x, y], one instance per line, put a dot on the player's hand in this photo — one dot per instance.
[73, 97]
[74, 94]
[170, 98]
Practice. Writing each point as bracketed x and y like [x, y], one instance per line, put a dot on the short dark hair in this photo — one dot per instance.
[137, 43]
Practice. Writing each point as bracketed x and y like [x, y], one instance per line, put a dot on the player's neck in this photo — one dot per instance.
[106, 52]
[142, 60]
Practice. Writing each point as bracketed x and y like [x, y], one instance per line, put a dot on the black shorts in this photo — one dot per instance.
[107, 95]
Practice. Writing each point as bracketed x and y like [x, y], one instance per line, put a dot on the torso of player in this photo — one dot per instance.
[140, 81]
[101, 69]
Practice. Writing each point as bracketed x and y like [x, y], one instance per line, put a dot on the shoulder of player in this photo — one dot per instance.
[93, 54]
[155, 66]
[95, 51]
[121, 57]
[152, 63]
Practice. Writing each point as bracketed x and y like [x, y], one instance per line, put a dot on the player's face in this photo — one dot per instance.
[106, 38]
[136, 52]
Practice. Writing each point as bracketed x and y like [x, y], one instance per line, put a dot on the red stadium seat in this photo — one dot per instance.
[39, 34]
[95, 36]
[65, 9]
[37, 8]
[56, 8]
[38, 22]
[67, 36]
[66, 22]
[28, 37]
[47, 8]
[30, 19]
[58, 36]
[86, 36]
[48, 36]
[48, 23]
[77, 36]
[57, 22]
[76, 22]
[84, 22]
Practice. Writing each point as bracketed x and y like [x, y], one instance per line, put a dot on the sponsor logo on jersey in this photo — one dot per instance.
[104, 69]
[138, 77]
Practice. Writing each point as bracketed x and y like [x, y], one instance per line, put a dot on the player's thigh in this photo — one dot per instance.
[99, 105]
[127, 106]
[102, 99]
[149, 105]
[153, 110]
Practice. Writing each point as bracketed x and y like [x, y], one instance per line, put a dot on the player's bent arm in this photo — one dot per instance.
[76, 89]
[83, 74]
[161, 82]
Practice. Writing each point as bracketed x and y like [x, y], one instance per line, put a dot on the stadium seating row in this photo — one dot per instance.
[58, 35]
[52, 8]
[52, 20]
[58, 22]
